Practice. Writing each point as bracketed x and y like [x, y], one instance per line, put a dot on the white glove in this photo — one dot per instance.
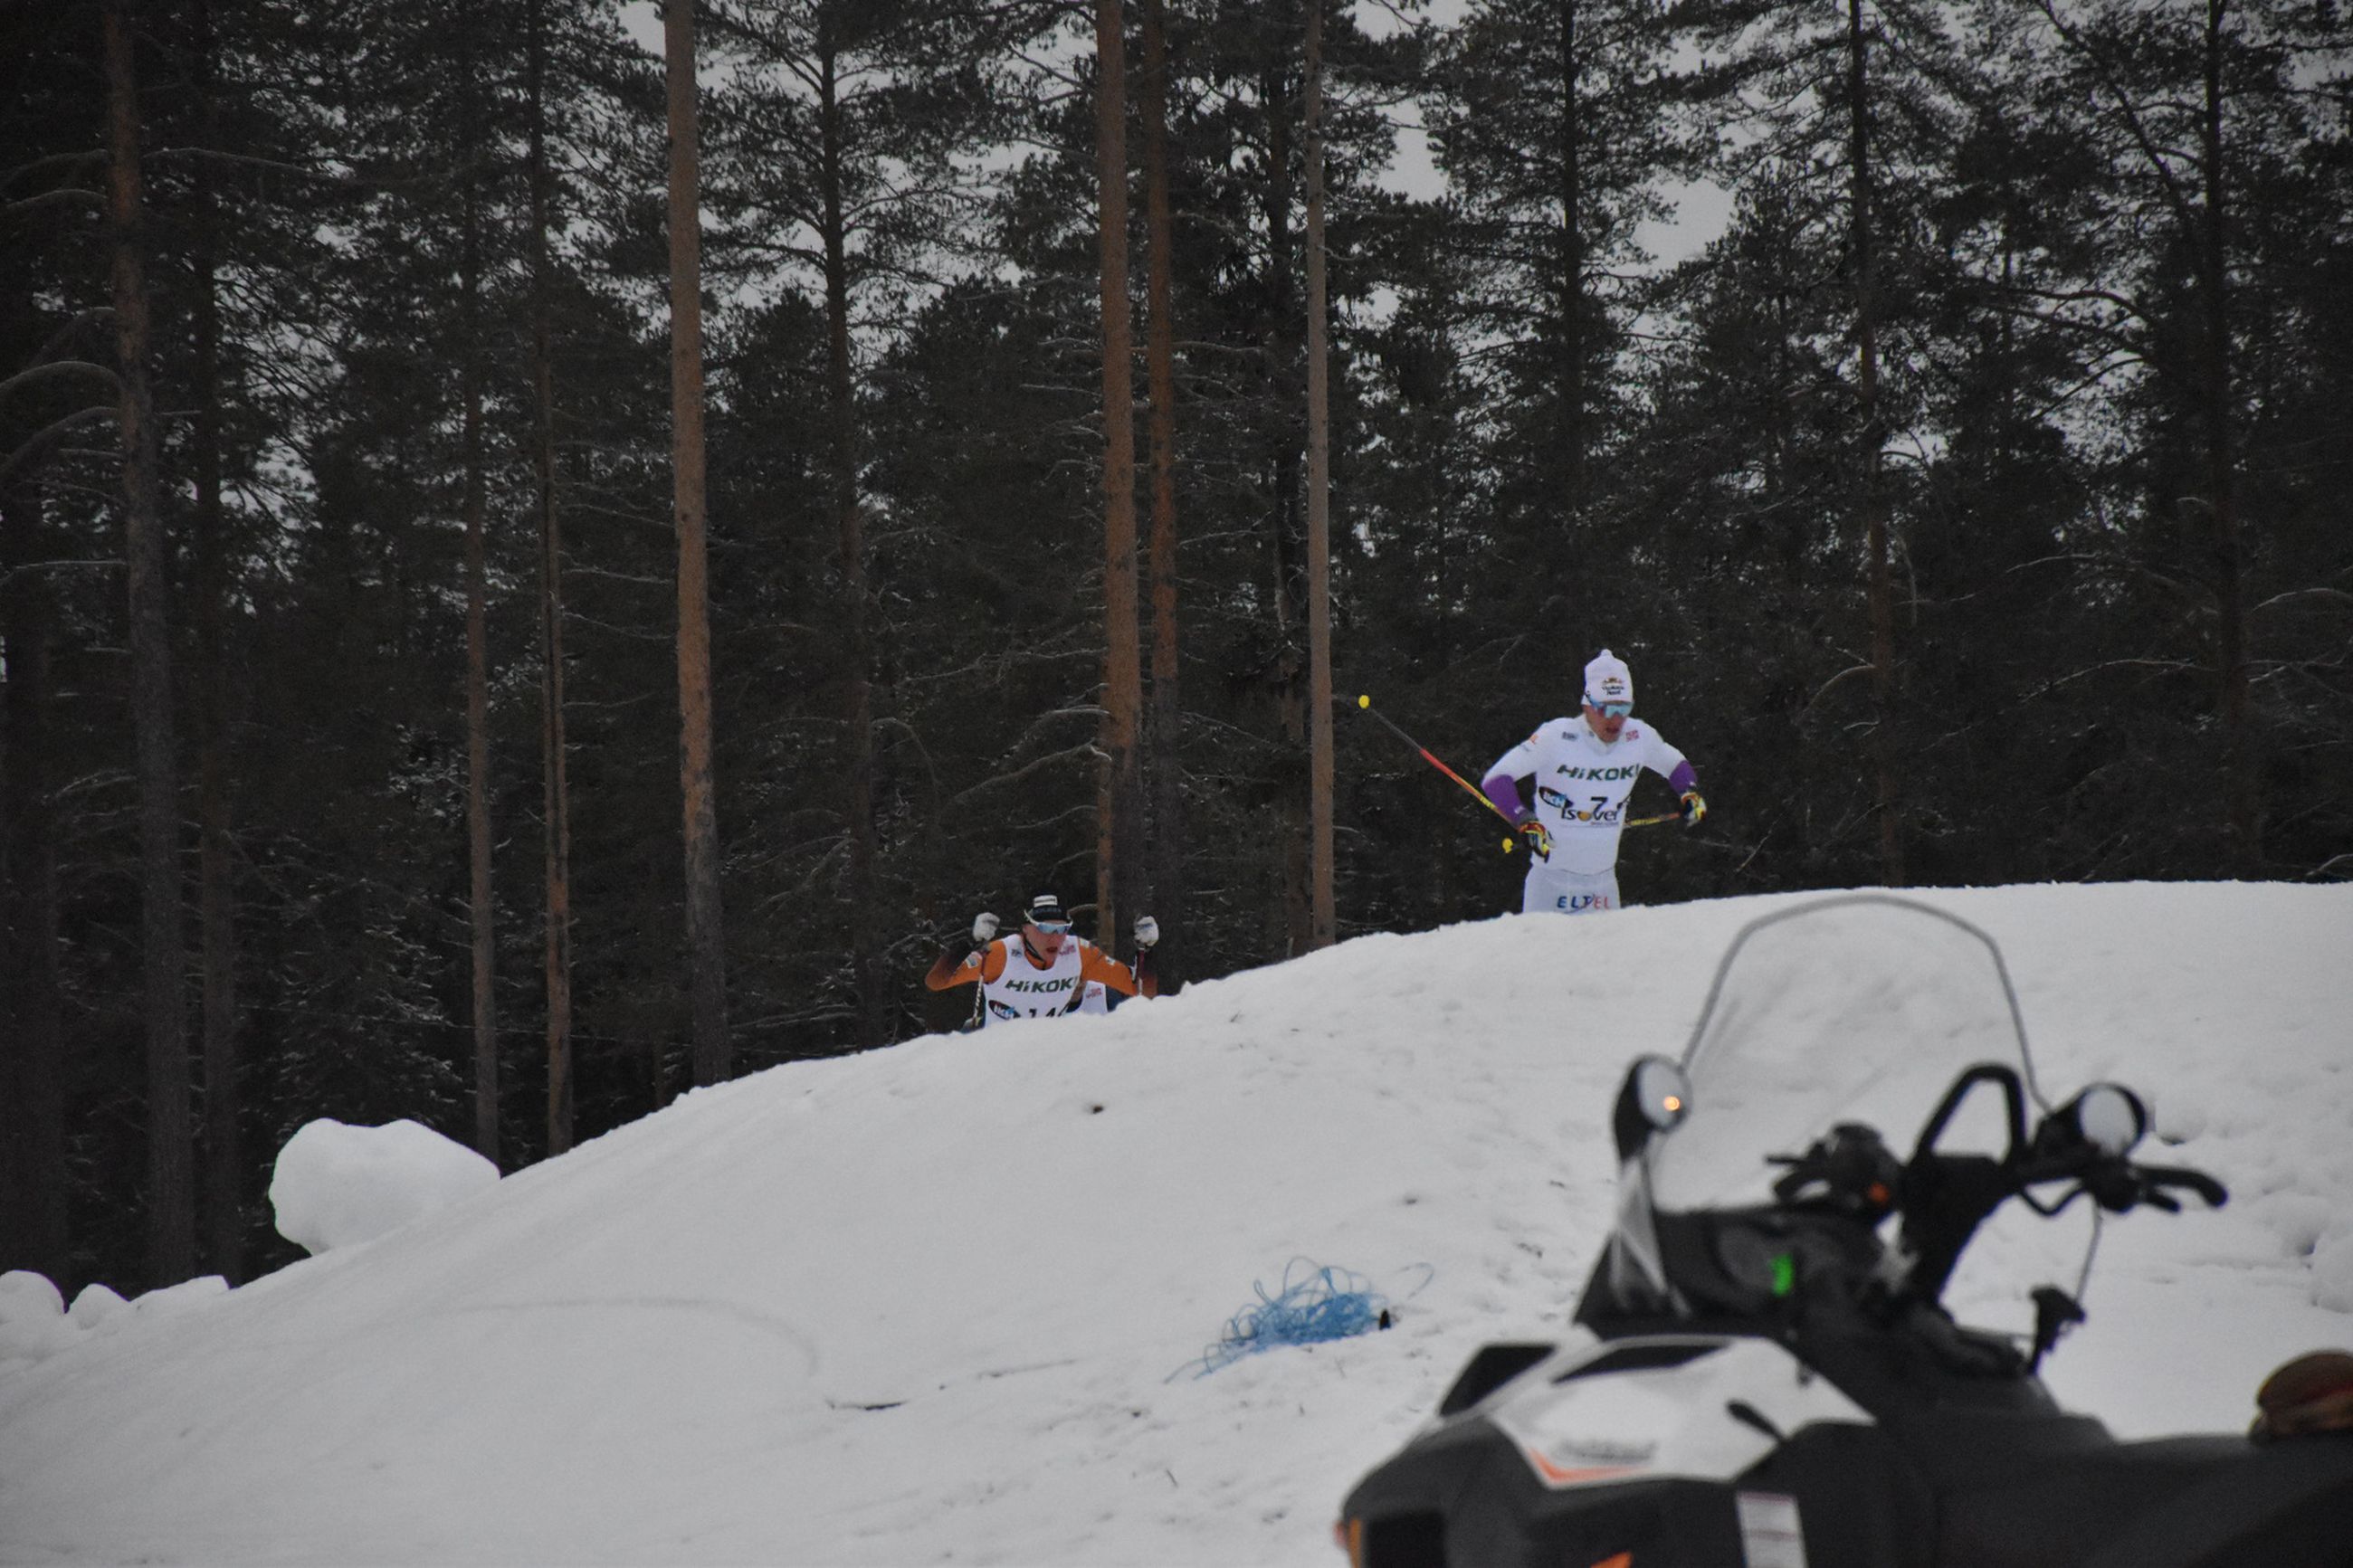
[984, 926]
[1148, 930]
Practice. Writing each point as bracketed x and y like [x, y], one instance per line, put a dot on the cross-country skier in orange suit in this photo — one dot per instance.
[1045, 970]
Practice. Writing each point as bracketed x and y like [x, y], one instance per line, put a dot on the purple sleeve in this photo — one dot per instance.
[1682, 778]
[1504, 791]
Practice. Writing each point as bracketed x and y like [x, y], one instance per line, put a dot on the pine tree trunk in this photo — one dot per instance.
[2242, 801]
[1572, 277]
[858, 659]
[1166, 717]
[224, 1183]
[481, 911]
[714, 1058]
[1322, 919]
[1287, 537]
[36, 1234]
[554, 787]
[1118, 858]
[170, 1198]
[1879, 586]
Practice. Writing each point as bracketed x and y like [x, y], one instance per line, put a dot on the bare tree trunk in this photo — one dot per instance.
[714, 1058]
[171, 1207]
[1290, 702]
[31, 1048]
[1166, 717]
[555, 799]
[224, 1180]
[2242, 796]
[1119, 817]
[481, 913]
[1287, 537]
[1322, 921]
[1880, 588]
[858, 707]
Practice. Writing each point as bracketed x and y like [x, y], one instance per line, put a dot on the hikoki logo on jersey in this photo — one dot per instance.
[1014, 982]
[1599, 775]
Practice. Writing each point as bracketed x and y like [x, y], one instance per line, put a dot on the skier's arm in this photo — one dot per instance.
[1513, 769]
[1504, 791]
[1664, 759]
[1502, 784]
[1094, 963]
[1680, 778]
[978, 967]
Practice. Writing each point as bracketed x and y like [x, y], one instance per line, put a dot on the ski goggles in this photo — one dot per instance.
[1614, 710]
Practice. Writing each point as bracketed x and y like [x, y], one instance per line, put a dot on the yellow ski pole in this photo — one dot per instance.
[1475, 792]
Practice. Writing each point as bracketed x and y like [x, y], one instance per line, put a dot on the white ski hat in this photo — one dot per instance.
[1607, 680]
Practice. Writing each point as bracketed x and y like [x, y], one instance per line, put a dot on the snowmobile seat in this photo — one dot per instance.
[2311, 1394]
[2028, 1512]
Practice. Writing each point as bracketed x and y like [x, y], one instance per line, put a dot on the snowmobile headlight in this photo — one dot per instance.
[2109, 1117]
[1663, 1090]
[1655, 1099]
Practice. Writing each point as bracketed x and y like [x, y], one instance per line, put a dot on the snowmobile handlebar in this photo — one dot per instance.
[2085, 1143]
[2118, 1184]
[2086, 1140]
[2155, 1179]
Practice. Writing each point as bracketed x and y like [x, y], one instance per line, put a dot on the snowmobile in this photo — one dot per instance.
[1764, 1371]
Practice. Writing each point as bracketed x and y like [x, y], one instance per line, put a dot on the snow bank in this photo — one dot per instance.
[921, 1305]
[338, 1185]
[35, 1322]
[334, 1185]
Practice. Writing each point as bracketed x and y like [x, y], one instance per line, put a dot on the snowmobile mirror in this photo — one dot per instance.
[1655, 1098]
[2109, 1117]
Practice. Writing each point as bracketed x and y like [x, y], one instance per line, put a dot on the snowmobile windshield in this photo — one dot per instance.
[1859, 1009]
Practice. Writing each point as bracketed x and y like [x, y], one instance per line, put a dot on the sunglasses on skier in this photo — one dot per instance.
[1614, 710]
[1054, 928]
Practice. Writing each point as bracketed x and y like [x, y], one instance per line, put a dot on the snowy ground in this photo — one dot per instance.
[937, 1303]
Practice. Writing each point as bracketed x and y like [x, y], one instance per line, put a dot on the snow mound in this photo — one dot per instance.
[338, 1185]
[35, 1322]
[32, 1317]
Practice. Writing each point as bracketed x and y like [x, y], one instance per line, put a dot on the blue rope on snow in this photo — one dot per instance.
[1316, 1303]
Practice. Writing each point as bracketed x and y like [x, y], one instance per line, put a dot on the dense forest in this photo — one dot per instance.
[478, 650]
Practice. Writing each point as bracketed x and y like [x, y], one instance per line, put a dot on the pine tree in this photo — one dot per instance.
[170, 1195]
[840, 171]
[1859, 109]
[1165, 718]
[1119, 810]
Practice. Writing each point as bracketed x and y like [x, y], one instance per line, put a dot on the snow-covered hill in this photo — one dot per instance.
[942, 1302]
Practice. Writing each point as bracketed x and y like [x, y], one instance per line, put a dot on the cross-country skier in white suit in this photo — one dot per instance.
[1580, 771]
